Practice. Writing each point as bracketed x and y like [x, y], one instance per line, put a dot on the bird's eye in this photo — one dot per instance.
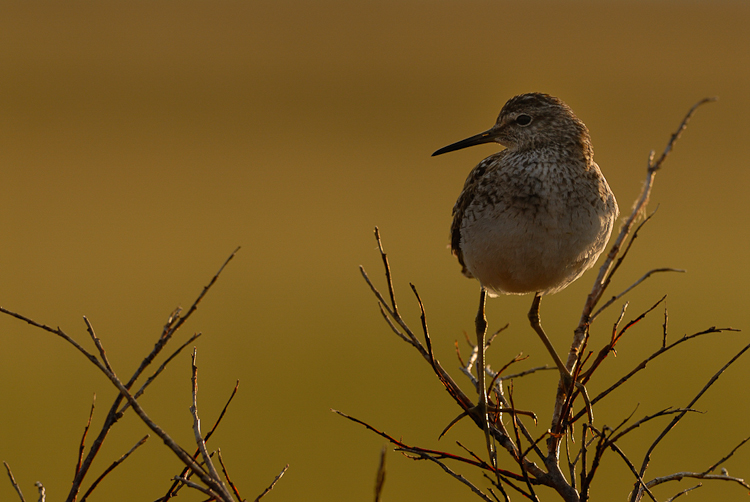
[523, 120]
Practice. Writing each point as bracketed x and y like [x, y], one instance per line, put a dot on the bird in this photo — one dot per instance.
[532, 218]
[535, 216]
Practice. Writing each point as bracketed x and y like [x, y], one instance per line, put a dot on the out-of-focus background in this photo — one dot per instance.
[141, 142]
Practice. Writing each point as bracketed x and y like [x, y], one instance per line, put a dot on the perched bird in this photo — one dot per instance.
[535, 216]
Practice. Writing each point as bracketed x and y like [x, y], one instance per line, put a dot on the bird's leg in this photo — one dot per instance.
[482, 407]
[536, 323]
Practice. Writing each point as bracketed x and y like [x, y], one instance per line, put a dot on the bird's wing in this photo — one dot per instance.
[469, 192]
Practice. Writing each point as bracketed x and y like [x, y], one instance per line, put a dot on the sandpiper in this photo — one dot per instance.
[535, 216]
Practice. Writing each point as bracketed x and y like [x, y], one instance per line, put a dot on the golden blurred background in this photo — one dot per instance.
[141, 142]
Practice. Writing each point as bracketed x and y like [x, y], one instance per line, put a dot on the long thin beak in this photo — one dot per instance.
[484, 137]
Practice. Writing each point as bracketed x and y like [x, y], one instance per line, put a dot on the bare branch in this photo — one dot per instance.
[113, 416]
[604, 277]
[629, 288]
[423, 318]
[497, 430]
[393, 326]
[380, 477]
[196, 486]
[213, 473]
[226, 474]
[606, 271]
[521, 458]
[642, 364]
[678, 476]
[384, 307]
[273, 483]
[684, 492]
[502, 490]
[42, 491]
[181, 454]
[97, 342]
[461, 398]
[655, 166]
[186, 471]
[13, 482]
[112, 467]
[158, 371]
[181, 320]
[175, 322]
[630, 465]
[648, 418]
[387, 272]
[676, 419]
[717, 464]
[55, 331]
[526, 372]
[477, 462]
[507, 482]
[609, 347]
[452, 473]
[82, 444]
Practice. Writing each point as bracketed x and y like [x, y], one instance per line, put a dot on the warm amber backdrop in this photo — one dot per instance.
[140, 142]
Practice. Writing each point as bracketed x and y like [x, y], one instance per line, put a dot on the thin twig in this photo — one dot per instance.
[425, 331]
[613, 446]
[13, 482]
[521, 457]
[623, 254]
[400, 327]
[82, 444]
[675, 420]
[226, 474]
[206, 288]
[181, 454]
[388, 278]
[97, 342]
[717, 464]
[678, 476]
[610, 346]
[112, 467]
[158, 371]
[186, 471]
[393, 326]
[461, 398]
[476, 462]
[606, 271]
[196, 486]
[642, 365]
[509, 483]
[273, 483]
[571, 464]
[452, 473]
[655, 166]
[380, 477]
[502, 490]
[42, 491]
[56, 331]
[662, 413]
[213, 473]
[618, 321]
[684, 492]
[525, 372]
[173, 323]
[636, 283]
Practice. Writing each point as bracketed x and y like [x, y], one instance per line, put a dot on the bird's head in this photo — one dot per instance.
[530, 121]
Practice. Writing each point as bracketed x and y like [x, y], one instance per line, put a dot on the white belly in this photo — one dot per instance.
[514, 251]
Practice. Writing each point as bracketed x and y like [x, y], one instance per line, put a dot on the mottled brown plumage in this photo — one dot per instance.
[535, 216]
